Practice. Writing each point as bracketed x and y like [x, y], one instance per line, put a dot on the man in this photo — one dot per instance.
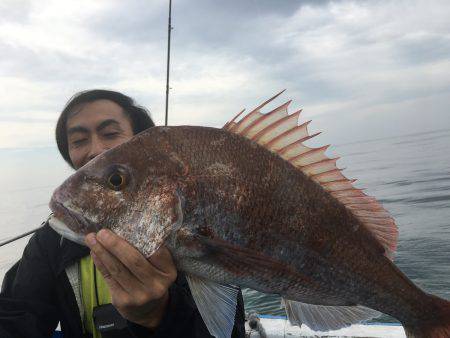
[43, 288]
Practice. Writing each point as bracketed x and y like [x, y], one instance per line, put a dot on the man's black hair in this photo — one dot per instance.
[139, 116]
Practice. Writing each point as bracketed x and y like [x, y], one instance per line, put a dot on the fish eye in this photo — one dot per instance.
[117, 179]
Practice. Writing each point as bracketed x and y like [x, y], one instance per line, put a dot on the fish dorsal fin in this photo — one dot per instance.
[280, 132]
[249, 118]
[216, 304]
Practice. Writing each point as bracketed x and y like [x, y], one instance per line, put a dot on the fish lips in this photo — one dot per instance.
[74, 220]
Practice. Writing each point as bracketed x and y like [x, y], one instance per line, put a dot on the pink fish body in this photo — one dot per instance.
[251, 205]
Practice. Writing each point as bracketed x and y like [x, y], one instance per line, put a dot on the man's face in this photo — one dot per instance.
[95, 127]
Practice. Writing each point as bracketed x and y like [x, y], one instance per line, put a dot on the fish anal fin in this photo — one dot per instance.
[216, 304]
[326, 318]
[281, 133]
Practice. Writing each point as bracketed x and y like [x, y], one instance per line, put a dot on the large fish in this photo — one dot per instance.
[251, 205]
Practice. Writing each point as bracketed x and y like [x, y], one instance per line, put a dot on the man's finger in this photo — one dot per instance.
[162, 260]
[130, 257]
[113, 267]
[121, 298]
[114, 287]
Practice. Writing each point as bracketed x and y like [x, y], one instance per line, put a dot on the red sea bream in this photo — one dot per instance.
[251, 205]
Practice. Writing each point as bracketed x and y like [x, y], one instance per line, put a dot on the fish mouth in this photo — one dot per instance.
[73, 219]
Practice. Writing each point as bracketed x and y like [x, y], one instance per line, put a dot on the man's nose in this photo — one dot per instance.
[97, 147]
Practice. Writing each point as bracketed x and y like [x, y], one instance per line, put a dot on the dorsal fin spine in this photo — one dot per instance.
[341, 181]
[265, 117]
[256, 110]
[320, 166]
[244, 120]
[348, 192]
[271, 144]
[274, 126]
[378, 221]
[328, 176]
[227, 125]
[312, 151]
[298, 142]
[331, 162]
[269, 100]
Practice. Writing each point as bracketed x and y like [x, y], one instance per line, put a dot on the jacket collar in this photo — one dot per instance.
[65, 251]
[71, 252]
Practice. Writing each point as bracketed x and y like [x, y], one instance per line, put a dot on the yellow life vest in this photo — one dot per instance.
[88, 293]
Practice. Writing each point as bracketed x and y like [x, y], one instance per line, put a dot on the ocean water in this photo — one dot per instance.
[409, 174]
[27, 180]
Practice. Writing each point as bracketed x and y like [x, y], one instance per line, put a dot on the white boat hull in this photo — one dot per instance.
[281, 328]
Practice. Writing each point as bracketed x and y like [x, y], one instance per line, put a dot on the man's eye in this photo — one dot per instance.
[79, 141]
[111, 134]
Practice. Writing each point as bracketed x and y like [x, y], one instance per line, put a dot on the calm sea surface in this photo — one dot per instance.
[409, 174]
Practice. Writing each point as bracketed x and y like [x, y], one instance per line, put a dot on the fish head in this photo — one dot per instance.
[131, 189]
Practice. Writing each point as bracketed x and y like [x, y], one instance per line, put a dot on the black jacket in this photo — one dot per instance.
[36, 295]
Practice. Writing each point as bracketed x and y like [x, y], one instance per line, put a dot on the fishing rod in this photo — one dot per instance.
[169, 29]
[20, 236]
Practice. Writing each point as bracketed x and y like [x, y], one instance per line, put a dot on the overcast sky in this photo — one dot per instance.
[359, 69]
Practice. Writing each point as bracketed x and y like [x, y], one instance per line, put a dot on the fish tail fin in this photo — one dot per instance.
[436, 326]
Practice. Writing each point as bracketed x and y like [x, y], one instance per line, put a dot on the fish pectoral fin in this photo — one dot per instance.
[216, 304]
[324, 317]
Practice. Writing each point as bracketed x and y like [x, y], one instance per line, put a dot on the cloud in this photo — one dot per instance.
[347, 63]
[26, 133]
[15, 10]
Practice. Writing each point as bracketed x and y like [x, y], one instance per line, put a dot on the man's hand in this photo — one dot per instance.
[138, 287]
